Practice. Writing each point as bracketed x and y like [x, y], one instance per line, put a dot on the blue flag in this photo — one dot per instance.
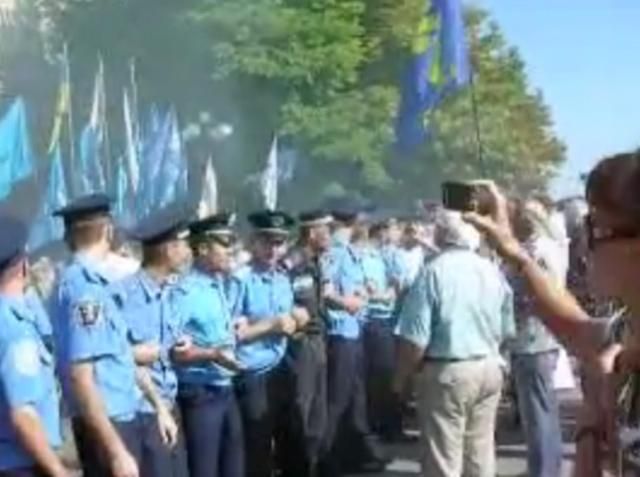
[439, 67]
[163, 177]
[173, 178]
[124, 210]
[16, 156]
[90, 174]
[47, 228]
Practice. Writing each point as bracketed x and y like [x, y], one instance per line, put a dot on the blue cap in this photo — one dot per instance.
[272, 222]
[214, 225]
[85, 208]
[13, 241]
[313, 218]
[170, 223]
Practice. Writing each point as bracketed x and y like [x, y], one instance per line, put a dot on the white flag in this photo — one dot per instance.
[132, 144]
[209, 200]
[269, 179]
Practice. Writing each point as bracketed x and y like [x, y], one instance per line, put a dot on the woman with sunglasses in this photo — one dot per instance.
[613, 227]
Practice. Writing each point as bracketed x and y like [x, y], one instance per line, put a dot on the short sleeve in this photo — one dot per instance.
[416, 314]
[20, 369]
[91, 335]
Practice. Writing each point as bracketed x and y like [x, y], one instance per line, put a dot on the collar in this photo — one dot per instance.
[18, 306]
[208, 278]
[150, 287]
[91, 268]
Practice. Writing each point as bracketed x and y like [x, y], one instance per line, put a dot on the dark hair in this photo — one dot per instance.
[614, 184]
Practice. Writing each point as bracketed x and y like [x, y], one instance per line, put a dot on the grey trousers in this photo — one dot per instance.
[457, 404]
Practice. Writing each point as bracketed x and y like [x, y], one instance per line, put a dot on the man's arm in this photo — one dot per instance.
[559, 310]
[166, 422]
[146, 354]
[282, 324]
[414, 329]
[29, 429]
[95, 416]
[199, 354]
[408, 357]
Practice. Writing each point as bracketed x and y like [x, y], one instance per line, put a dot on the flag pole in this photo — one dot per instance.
[134, 96]
[72, 146]
[476, 125]
[107, 141]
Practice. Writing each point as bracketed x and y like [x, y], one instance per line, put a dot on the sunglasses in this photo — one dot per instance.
[597, 235]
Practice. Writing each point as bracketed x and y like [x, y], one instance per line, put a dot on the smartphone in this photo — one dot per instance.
[459, 196]
[466, 197]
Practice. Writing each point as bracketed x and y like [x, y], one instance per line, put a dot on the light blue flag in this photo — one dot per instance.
[153, 142]
[90, 174]
[47, 228]
[123, 209]
[172, 180]
[440, 66]
[16, 156]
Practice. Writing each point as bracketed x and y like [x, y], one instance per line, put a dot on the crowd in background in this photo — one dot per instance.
[293, 350]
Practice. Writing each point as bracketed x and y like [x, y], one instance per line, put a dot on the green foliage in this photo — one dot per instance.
[324, 75]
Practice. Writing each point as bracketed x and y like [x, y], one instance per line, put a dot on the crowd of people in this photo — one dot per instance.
[175, 350]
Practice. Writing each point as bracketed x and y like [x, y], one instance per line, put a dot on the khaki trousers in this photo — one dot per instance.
[458, 403]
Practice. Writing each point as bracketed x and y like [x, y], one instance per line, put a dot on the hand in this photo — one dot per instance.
[226, 359]
[496, 227]
[286, 325]
[147, 353]
[301, 317]
[241, 327]
[124, 465]
[168, 427]
[353, 304]
[183, 344]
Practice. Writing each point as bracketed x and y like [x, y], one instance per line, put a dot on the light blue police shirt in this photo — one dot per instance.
[378, 279]
[88, 327]
[265, 294]
[392, 256]
[152, 317]
[206, 311]
[26, 379]
[341, 267]
[460, 307]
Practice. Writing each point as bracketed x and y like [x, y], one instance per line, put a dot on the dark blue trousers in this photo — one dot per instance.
[385, 416]
[213, 431]
[93, 459]
[262, 405]
[348, 439]
[540, 411]
[299, 436]
[158, 460]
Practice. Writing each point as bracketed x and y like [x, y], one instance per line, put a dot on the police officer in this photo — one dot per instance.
[94, 357]
[29, 408]
[211, 417]
[305, 363]
[345, 296]
[267, 316]
[378, 339]
[155, 330]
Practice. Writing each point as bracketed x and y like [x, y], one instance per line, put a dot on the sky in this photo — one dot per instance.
[584, 55]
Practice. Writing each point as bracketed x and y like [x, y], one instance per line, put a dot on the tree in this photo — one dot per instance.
[324, 75]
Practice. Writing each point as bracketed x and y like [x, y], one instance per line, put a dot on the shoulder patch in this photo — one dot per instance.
[25, 356]
[88, 312]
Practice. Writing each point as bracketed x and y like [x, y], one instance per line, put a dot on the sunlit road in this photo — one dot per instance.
[511, 449]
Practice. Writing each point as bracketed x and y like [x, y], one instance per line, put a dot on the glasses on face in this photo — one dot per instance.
[597, 235]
